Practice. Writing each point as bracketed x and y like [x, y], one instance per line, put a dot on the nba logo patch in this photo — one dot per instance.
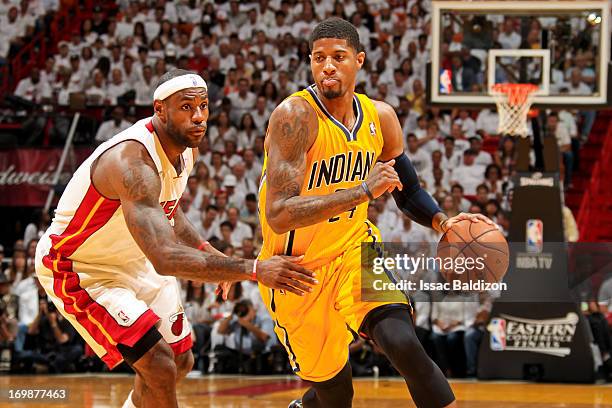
[372, 129]
[194, 80]
[534, 236]
[446, 83]
[497, 334]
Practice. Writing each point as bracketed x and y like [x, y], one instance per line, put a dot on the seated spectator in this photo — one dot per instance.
[114, 126]
[8, 301]
[248, 333]
[449, 207]
[221, 131]
[225, 229]
[16, 271]
[448, 318]
[488, 122]
[145, 86]
[411, 234]
[33, 89]
[244, 185]
[247, 132]
[451, 158]
[249, 213]
[218, 169]
[461, 142]
[463, 77]
[508, 37]
[462, 203]
[117, 87]
[417, 97]
[506, 155]
[65, 88]
[493, 181]
[426, 140]
[476, 319]
[419, 158]
[482, 196]
[482, 158]
[240, 230]
[206, 183]
[253, 165]
[51, 342]
[230, 153]
[468, 174]
[8, 327]
[208, 226]
[13, 30]
[437, 184]
[97, 94]
[248, 250]
[467, 124]
[243, 100]
[491, 209]
[198, 314]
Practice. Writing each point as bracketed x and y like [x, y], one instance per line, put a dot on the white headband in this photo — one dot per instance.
[178, 84]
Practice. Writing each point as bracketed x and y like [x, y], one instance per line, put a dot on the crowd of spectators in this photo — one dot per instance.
[253, 55]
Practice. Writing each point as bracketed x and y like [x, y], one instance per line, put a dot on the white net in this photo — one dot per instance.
[513, 104]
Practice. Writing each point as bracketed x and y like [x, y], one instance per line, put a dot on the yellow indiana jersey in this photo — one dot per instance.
[339, 159]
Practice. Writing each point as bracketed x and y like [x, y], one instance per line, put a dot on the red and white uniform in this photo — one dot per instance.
[94, 271]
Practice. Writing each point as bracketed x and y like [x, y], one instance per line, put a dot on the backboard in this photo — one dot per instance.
[563, 47]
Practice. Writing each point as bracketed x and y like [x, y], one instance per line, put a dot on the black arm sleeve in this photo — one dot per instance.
[415, 202]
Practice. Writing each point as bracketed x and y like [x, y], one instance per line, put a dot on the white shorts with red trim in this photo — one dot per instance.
[110, 305]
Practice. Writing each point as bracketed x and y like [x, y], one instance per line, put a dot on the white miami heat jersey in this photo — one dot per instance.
[89, 228]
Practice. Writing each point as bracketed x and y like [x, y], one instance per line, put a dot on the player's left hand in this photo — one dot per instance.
[466, 216]
[223, 288]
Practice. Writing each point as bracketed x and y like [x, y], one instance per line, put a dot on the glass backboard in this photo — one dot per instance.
[563, 47]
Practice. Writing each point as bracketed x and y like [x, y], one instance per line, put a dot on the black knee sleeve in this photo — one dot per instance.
[392, 329]
[133, 354]
[336, 392]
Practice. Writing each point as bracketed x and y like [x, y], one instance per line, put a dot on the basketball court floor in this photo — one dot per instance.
[102, 391]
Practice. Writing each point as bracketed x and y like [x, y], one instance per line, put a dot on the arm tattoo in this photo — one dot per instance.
[135, 182]
[185, 230]
[139, 191]
[291, 129]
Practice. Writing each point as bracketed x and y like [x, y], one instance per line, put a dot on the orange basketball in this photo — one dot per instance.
[473, 251]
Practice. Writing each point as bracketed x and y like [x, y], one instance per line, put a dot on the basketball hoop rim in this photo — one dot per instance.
[517, 94]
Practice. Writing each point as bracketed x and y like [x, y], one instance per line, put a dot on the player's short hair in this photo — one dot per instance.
[173, 74]
[335, 27]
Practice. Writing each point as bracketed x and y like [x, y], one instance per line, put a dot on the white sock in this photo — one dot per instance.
[128, 402]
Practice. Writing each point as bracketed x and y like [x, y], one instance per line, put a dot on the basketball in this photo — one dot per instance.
[479, 252]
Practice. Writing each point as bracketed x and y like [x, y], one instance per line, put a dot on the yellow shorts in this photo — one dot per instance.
[314, 328]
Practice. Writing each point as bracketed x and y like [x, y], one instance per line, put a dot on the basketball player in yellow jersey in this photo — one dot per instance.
[328, 152]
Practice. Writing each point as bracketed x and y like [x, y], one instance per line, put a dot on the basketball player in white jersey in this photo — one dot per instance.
[119, 239]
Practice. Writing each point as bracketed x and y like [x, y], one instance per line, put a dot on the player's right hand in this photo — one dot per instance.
[383, 177]
[283, 272]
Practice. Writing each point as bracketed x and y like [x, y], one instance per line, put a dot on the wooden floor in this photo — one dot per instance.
[101, 391]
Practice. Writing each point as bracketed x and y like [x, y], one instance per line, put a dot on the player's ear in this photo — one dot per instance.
[159, 109]
[360, 59]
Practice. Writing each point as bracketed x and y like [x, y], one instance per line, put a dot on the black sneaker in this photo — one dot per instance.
[296, 404]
